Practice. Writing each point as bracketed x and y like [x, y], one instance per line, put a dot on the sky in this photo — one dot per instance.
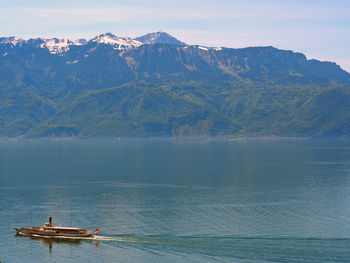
[318, 28]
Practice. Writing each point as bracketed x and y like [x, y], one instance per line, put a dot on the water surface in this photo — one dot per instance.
[178, 201]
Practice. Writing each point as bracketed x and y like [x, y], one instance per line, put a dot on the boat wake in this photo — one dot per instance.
[124, 239]
[271, 249]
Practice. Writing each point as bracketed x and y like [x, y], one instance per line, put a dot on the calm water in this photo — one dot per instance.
[178, 201]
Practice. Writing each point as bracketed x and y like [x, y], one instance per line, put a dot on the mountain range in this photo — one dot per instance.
[156, 85]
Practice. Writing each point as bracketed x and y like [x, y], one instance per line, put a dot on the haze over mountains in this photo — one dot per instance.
[156, 85]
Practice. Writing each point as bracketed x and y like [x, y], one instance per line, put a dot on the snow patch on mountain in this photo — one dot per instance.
[203, 48]
[207, 48]
[72, 62]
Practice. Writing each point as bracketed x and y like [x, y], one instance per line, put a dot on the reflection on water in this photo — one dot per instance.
[167, 201]
[49, 241]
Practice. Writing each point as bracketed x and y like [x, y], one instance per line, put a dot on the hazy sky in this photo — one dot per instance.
[318, 28]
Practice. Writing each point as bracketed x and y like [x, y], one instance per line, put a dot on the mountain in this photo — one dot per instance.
[58, 46]
[118, 86]
[54, 45]
[159, 37]
[116, 42]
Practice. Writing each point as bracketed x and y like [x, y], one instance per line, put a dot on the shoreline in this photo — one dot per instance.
[170, 139]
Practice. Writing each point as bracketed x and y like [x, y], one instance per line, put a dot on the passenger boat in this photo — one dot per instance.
[49, 230]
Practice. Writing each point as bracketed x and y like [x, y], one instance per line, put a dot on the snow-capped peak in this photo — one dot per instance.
[11, 40]
[60, 46]
[56, 46]
[117, 42]
[159, 37]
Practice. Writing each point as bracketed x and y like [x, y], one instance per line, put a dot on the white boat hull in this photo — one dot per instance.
[50, 233]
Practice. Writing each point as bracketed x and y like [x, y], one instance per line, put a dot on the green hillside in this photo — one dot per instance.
[167, 90]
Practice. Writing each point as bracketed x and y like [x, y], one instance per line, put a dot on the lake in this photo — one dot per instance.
[158, 200]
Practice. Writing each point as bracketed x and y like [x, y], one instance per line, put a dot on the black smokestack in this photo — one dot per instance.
[50, 221]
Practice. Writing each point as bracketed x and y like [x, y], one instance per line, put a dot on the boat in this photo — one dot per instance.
[49, 230]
